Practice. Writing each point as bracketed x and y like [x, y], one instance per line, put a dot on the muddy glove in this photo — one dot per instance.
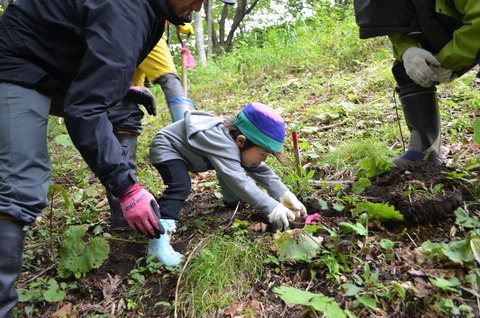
[280, 216]
[418, 65]
[141, 211]
[444, 75]
[289, 200]
[143, 96]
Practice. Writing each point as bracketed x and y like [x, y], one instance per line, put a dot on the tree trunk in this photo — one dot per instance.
[208, 13]
[241, 10]
[199, 43]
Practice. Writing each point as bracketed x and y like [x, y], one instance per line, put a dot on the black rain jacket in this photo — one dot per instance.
[86, 50]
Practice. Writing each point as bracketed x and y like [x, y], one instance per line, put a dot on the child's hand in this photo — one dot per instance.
[280, 216]
[289, 200]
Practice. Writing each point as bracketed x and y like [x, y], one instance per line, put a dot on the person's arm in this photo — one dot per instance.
[104, 78]
[235, 176]
[464, 48]
[157, 63]
[266, 178]
[401, 43]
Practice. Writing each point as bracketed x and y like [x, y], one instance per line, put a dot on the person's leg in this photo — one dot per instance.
[175, 176]
[24, 179]
[419, 105]
[126, 118]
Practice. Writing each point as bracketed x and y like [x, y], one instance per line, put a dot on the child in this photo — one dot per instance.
[236, 149]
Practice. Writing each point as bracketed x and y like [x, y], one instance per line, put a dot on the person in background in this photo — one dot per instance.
[86, 52]
[434, 42]
[236, 149]
[159, 68]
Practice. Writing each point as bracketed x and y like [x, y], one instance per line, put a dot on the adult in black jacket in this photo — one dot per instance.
[85, 51]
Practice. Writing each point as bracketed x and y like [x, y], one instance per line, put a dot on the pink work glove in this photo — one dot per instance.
[190, 60]
[141, 211]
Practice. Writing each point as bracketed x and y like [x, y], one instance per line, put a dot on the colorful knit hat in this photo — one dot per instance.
[263, 126]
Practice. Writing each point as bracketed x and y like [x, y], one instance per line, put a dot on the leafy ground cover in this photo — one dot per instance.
[381, 243]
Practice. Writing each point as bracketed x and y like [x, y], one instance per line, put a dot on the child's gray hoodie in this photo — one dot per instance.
[203, 143]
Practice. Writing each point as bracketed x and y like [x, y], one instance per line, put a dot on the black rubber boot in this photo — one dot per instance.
[117, 220]
[423, 120]
[12, 242]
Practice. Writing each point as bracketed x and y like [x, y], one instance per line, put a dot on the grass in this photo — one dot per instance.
[219, 275]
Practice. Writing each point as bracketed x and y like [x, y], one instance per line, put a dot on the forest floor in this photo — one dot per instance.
[427, 217]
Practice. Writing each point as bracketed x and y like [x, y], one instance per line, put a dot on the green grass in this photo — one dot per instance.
[220, 273]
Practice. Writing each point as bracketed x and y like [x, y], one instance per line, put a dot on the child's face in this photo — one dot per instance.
[253, 156]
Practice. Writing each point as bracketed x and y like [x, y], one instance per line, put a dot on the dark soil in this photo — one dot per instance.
[103, 292]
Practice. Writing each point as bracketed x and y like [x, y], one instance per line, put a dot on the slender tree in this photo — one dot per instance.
[199, 42]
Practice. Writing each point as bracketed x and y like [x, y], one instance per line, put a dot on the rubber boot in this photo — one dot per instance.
[177, 101]
[117, 220]
[161, 247]
[423, 120]
[12, 242]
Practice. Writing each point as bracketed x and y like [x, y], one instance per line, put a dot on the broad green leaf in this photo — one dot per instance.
[463, 219]
[367, 301]
[64, 140]
[445, 283]
[298, 245]
[317, 301]
[79, 256]
[386, 244]
[458, 251]
[358, 228]
[352, 289]
[361, 185]
[53, 293]
[476, 131]
[381, 211]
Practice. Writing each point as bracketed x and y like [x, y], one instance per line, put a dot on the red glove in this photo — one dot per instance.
[143, 96]
[141, 211]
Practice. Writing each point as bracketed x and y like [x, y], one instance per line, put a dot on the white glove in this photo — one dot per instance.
[444, 75]
[280, 216]
[418, 64]
[289, 200]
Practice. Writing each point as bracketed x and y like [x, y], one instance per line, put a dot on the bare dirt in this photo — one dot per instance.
[427, 216]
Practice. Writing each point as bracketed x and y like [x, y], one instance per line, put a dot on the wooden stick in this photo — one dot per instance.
[297, 153]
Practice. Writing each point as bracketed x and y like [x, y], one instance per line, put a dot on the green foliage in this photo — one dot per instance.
[299, 184]
[297, 245]
[79, 255]
[319, 302]
[476, 131]
[360, 185]
[43, 290]
[381, 211]
[219, 274]
[372, 167]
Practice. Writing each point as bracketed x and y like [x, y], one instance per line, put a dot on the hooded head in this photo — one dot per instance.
[263, 126]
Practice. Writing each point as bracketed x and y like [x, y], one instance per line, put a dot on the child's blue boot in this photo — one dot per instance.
[161, 247]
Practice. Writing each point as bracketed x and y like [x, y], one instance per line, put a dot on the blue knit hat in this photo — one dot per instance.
[263, 126]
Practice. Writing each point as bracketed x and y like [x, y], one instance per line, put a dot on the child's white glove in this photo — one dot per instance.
[289, 200]
[280, 216]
